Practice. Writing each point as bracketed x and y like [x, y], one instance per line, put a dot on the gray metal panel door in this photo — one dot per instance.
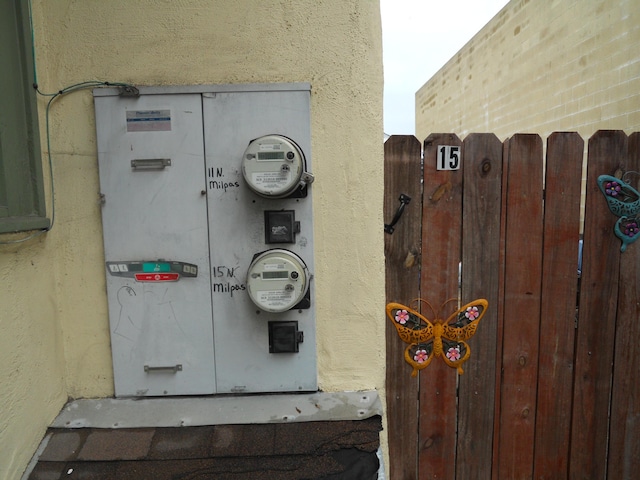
[155, 211]
[236, 226]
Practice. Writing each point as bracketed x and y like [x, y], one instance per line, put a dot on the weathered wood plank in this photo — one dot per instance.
[500, 308]
[402, 173]
[441, 227]
[482, 203]
[558, 309]
[522, 291]
[624, 429]
[597, 314]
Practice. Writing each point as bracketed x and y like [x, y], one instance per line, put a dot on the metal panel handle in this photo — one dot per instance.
[404, 201]
[150, 163]
[169, 368]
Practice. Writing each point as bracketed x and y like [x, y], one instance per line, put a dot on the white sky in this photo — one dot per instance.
[419, 37]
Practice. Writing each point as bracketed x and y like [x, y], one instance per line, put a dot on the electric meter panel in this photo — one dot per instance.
[273, 166]
[277, 280]
[208, 232]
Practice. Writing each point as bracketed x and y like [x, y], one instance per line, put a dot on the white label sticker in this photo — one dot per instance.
[270, 146]
[190, 269]
[118, 267]
[274, 266]
[148, 120]
[271, 180]
[448, 157]
[275, 298]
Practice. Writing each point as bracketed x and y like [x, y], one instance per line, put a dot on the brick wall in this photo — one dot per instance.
[541, 66]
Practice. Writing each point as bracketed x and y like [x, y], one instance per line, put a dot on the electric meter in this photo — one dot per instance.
[277, 280]
[274, 166]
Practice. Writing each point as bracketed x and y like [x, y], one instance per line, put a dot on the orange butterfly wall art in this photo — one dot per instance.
[444, 339]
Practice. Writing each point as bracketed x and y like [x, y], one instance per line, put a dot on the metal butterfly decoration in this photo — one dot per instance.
[624, 202]
[445, 339]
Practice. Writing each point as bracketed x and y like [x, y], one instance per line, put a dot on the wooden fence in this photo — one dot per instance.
[552, 387]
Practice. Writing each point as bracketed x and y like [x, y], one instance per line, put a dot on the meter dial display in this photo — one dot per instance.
[277, 280]
[273, 166]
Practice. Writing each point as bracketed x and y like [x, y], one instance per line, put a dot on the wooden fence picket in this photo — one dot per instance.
[597, 314]
[482, 205]
[402, 173]
[522, 290]
[624, 429]
[441, 247]
[558, 308]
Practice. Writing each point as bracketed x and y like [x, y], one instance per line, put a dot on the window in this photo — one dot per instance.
[22, 205]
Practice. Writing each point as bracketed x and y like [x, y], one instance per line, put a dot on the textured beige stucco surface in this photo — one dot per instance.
[538, 67]
[55, 335]
[32, 375]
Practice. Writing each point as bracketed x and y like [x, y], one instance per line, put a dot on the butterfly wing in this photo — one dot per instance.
[622, 198]
[455, 353]
[411, 326]
[460, 326]
[419, 356]
[417, 331]
[627, 229]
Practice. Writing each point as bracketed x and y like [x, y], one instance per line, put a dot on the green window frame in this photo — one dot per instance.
[22, 202]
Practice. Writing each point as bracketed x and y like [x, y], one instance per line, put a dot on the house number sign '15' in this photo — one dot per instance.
[448, 157]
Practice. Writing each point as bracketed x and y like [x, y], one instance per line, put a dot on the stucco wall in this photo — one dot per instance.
[541, 66]
[56, 335]
[32, 386]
